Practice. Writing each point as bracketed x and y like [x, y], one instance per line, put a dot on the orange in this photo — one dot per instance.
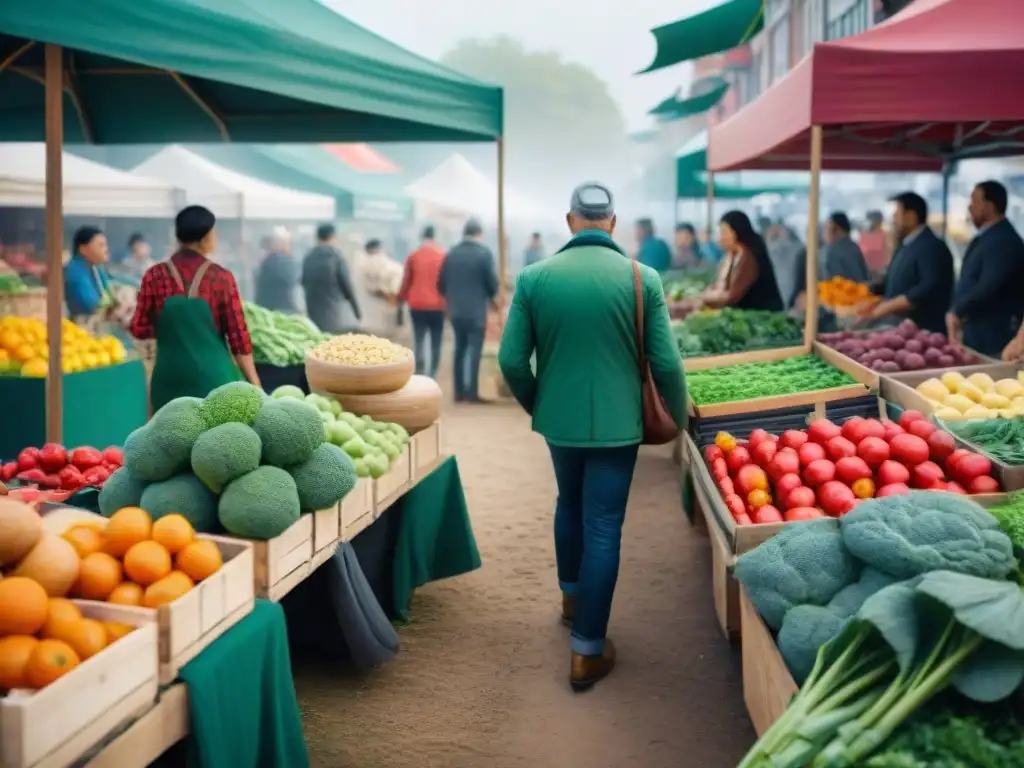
[15, 651]
[23, 605]
[167, 590]
[116, 630]
[127, 526]
[200, 559]
[84, 539]
[50, 660]
[98, 575]
[174, 532]
[147, 562]
[126, 593]
[87, 637]
[61, 613]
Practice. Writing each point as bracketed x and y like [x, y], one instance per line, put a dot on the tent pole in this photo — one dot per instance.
[711, 204]
[813, 214]
[54, 239]
[947, 171]
[502, 242]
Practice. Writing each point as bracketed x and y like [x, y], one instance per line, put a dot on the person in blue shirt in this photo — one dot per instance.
[86, 284]
[653, 251]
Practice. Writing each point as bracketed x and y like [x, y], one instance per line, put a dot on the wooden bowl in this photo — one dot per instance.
[415, 406]
[358, 379]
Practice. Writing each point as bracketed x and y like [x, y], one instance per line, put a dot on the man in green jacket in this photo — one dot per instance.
[577, 311]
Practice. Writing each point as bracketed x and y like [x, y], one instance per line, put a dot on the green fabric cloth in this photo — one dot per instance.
[242, 707]
[716, 30]
[435, 540]
[587, 392]
[674, 108]
[101, 407]
[263, 70]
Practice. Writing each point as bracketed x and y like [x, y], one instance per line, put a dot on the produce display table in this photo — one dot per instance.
[101, 407]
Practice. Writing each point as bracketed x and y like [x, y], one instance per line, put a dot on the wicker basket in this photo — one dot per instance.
[29, 304]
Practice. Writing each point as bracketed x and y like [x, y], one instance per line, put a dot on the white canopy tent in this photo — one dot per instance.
[90, 189]
[456, 184]
[232, 195]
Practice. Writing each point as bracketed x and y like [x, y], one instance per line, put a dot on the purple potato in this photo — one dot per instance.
[923, 336]
[888, 366]
[886, 354]
[894, 341]
[914, 362]
[946, 361]
[855, 348]
[932, 356]
[877, 365]
[875, 342]
[937, 340]
[913, 345]
[907, 329]
[901, 356]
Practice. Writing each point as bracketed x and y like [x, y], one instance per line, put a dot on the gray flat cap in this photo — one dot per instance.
[592, 201]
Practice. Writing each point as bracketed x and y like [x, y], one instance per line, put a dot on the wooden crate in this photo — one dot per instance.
[321, 557]
[1010, 476]
[725, 588]
[900, 388]
[767, 684]
[283, 562]
[392, 484]
[53, 727]
[425, 450]
[196, 619]
[326, 527]
[736, 358]
[149, 736]
[356, 507]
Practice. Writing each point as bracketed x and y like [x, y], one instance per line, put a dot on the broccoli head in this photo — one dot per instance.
[290, 430]
[324, 478]
[163, 447]
[260, 505]
[237, 401]
[119, 491]
[805, 564]
[928, 531]
[805, 629]
[186, 495]
[225, 453]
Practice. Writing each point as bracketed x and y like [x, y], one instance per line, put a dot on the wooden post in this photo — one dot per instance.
[502, 244]
[54, 239]
[813, 215]
[711, 206]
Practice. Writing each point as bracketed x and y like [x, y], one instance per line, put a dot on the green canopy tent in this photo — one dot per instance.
[692, 162]
[717, 29]
[210, 70]
[674, 108]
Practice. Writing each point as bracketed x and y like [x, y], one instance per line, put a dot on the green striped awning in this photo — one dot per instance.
[717, 29]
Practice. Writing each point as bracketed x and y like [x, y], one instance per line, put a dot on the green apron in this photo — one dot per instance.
[191, 356]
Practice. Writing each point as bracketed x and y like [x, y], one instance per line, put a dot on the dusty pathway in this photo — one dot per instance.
[481, 681]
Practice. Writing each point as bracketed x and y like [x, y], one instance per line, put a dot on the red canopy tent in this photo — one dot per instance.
[939, 81]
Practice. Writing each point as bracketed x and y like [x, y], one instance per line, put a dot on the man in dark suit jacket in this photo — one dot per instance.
[919, 282]
[468, 281]
[987, 307]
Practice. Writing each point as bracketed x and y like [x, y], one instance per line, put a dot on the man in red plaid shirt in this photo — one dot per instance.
[192, 308]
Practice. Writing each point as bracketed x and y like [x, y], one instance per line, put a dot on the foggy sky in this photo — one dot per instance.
[610, 37]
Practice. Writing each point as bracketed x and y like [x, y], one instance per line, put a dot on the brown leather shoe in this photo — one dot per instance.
[568, 609]
[585, 671]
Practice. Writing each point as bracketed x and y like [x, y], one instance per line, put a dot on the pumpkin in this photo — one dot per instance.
[415, 406]
[20, 530]
[53, 562]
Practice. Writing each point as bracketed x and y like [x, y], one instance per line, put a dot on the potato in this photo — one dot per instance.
[967, 389]
[982, 381]
[951, 379]
[959, 402]
[948, 414]
[992, 400]
[979, 412]
[933, 389]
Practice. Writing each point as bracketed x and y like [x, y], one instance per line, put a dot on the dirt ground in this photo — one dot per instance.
[481, 681]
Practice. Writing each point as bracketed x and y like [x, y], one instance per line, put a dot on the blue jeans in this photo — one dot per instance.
[424, 322]
[469, 347]
[593, 488]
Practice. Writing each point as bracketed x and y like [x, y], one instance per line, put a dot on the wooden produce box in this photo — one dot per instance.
[54, 727]
[396, 481]
[900, 388]
[691, 364]
[151, 735]
[326, 528]
[357, 509]
[425, 450]
[283, 562]
[1010, 476]
[196, 619]
[768, 686]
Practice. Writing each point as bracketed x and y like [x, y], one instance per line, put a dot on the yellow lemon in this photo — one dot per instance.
[24, 353]
[36, 367]
[90, 360]
[10, 339]
[104, 358]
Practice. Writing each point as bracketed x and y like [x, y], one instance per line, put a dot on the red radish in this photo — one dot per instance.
[751, 478]
[819, 472]
[85, 457]
[50, 482]
[764, 451]
[793, 438]
[784, 463]
[95, 476]
[893, 489]
[784, 485]
[851, 430]
[71, 478]
[757, 437]
[909, 449]
[907, 417]
[796, 514]
[921, 428]
[8, 471]
[941, 445]
[864, 488]
[787, 449]
[52, 457]
[800, 497]
[983, 484]
[719, 468]
[712, 452]
[874, 450]
[743, 519]
[28, 459]
[926, 474]
[735, 505]
[725, 486]
[736, 458]
[113, 455]
[953, 459]
[873, 428]
[836, 498]
[972, 466]
[840, 447]
[850, 469]
[891, 430]
[34, 475]
[823, 430]
[938, 485]
[809, 452]
[892, 472]
[767, 514]
[954, 487]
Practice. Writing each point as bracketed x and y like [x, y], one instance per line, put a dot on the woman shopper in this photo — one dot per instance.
[577, 311]
[192, 308]
[747, 278]
[426, 304]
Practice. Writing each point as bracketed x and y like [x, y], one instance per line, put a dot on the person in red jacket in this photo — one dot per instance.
[426, 304]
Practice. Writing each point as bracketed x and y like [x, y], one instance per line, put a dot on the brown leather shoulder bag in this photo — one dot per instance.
[659, 426]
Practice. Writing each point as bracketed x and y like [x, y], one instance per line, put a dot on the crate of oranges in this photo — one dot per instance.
[844, 297]
[24, 349]
[198, 585]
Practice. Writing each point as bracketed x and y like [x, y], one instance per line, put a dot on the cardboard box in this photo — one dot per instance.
[900, 388]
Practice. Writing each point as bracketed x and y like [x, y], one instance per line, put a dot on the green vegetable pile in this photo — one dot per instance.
[278, 338]
[12, 284]
[237, 460]
[1002, 439]
[900, 600]
[735, 383]
[736, 330]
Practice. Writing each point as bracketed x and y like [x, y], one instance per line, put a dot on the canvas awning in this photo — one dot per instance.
[457, 184]
[231, 195]
[939, 81]
[715, 30]
[691, 165]
[90, 189]
[674, 108]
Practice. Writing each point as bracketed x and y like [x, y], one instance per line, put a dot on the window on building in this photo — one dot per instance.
[779, 49]
[848, 17]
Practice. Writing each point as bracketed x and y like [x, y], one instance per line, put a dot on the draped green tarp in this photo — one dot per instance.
[674, 108]
[717, 29]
